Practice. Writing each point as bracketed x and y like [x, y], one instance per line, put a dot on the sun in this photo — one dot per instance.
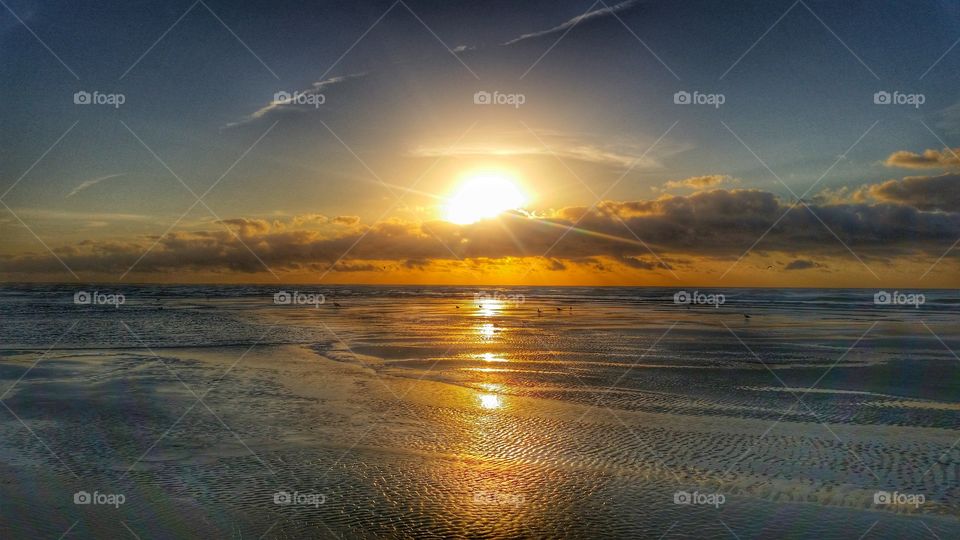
[483, 195]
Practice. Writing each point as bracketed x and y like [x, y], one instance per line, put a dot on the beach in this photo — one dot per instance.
[436, 412]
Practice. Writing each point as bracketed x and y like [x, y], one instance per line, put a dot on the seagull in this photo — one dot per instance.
[769, 267]
[336, 304]
[559, 309]
[458, 307]
[745, 316]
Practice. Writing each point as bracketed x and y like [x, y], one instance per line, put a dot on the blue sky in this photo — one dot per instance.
[798, 82]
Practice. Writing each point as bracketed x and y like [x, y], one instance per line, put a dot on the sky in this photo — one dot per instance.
[769, 143]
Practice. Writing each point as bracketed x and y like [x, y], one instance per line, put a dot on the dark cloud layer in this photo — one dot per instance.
[718, 224]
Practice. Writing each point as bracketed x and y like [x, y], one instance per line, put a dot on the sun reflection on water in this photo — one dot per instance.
[490, 307]
[491, 357]
[490, 401]
[487, 330]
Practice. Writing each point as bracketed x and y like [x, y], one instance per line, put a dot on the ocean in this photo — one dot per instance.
[164, 411]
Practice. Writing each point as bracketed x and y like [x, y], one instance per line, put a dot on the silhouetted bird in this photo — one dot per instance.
[336, 304]
[745, 316]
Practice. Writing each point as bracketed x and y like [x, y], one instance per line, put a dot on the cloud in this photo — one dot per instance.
[317, 89]
[921, 192]
[930, 159]
[582, 147]
[701, 182]
[578, 20]
[87, 183]
[718, 224]
[801, 264]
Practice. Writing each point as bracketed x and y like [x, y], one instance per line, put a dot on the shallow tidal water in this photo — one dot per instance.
[437, 412]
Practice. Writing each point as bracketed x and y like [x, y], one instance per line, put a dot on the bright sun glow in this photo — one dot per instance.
[483, 195]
